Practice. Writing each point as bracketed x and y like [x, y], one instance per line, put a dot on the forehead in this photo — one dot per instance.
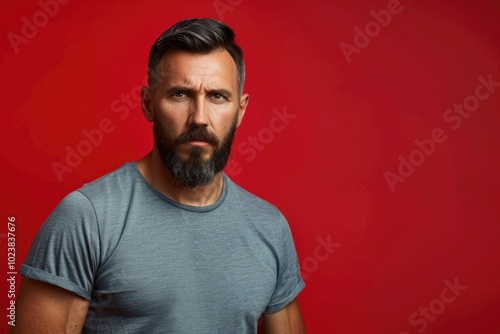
[179, 67]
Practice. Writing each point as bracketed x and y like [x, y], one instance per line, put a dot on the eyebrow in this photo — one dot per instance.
[220, 91]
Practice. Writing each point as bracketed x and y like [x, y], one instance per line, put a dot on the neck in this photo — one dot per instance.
[157, 175]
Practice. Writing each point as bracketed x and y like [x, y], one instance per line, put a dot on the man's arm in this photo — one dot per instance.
[288, 320]
[45, 308]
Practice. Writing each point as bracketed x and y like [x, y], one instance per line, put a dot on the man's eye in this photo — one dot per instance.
[179, 94]
[216, 96]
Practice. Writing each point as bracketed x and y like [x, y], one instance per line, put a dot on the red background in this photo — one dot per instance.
[393, 250]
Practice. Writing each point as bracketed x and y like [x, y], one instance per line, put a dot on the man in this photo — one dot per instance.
[169, 244]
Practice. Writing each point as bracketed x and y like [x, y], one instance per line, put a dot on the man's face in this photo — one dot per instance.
[195, 109]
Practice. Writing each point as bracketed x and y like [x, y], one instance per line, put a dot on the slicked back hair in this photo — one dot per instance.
[198, 35]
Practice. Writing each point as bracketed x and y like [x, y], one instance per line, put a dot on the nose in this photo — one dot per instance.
[198, 113]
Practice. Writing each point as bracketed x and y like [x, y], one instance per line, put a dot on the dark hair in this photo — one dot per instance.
[199, 35]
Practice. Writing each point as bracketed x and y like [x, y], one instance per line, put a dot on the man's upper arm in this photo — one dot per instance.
[288, 320]
[45, 308]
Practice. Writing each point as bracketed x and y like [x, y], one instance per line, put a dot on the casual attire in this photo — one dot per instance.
[148, 264]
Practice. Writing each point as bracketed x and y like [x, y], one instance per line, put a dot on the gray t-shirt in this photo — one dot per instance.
[148, 264]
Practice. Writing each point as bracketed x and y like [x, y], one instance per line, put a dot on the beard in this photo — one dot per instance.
[195, 170]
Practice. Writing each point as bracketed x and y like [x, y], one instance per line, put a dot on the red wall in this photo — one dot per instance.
[392, 196]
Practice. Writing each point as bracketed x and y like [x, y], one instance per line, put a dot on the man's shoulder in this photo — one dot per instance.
[250, 201]
[111, 184]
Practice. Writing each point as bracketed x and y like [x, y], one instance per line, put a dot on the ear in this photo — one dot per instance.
[147, 103]
[242, 108]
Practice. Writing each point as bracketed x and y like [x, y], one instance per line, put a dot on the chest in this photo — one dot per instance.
[178, 271]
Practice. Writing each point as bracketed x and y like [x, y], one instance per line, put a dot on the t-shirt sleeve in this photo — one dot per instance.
[289, 283]
[65, 251]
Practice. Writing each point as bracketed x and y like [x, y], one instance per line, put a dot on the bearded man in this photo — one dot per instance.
[169, 244]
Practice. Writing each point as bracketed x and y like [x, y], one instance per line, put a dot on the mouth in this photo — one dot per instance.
[198, 143]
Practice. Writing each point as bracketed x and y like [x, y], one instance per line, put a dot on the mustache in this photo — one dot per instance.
[198, 133]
